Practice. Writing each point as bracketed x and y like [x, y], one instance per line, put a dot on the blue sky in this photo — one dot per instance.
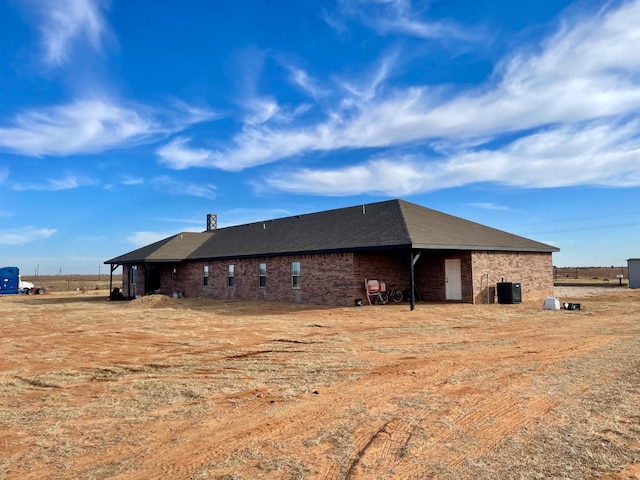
[122, 123]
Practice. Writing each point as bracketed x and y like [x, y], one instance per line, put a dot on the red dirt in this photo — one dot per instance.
[184, 388]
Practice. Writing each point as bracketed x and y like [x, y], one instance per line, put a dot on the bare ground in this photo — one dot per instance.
[201, 389]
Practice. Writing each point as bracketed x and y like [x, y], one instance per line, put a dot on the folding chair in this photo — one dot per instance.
[374, 289]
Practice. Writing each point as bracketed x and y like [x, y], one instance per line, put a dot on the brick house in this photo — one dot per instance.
[323, 258]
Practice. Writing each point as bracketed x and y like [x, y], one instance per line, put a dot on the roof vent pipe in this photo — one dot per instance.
[364, 209]
[212, 222]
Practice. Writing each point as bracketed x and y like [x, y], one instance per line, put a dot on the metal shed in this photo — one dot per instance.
[634, 272]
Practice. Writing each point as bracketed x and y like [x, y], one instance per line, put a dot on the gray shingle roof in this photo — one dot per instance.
[172, 249]
[388, 224]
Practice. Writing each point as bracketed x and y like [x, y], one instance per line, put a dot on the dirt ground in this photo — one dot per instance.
[202, 389]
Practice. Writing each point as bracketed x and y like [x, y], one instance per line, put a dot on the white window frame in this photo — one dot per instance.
[262, 275]
[231, 275]
[295, 275]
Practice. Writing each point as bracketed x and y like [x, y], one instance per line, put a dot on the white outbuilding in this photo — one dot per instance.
[634, 272]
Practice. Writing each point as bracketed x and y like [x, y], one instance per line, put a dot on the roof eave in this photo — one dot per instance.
[144, 260]
[496, 248]
[305, 252]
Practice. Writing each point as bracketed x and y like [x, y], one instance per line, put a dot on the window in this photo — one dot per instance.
[230, 276]
[134, 274]
[295, 274]
[205, 275]
[263, 275]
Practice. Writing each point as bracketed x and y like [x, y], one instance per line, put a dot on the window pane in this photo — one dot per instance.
[263, 275]
[295, 274]
[230, 275]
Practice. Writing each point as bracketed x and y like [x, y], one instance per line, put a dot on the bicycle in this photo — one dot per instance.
[391, 294]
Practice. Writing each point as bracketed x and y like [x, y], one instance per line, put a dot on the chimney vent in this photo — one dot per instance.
[212, 222]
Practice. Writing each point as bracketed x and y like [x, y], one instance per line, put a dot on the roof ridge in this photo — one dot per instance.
[387, 224]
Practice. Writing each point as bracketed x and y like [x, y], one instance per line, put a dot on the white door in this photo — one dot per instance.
[453, 278]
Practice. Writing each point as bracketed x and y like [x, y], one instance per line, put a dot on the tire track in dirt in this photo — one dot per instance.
[392, 450]
[398, 395]
[483, 416]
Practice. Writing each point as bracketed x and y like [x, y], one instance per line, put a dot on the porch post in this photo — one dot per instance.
[113, 267]
[413, 259]
[412, 281]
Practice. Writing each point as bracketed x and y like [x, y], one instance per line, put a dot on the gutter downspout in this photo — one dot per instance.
[485, 275]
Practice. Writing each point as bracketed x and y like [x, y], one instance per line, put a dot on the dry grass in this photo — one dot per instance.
[166, 388]
[74, 283]
[593, 429]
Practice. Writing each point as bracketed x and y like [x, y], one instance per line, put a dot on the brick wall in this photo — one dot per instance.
[533, 270]
[128, 290]
[388, 267]
[326, 279]
[430, 275]
[125, 280]
[338, 278]
[429, 272]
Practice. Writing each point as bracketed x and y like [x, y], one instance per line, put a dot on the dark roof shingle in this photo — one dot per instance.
[388, 224]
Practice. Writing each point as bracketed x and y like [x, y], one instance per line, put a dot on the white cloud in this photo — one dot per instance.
[88, 126]
[380, 176]
[490, 206]
[260, 110]
[24, 235]
[171, 186]
[69, 182]
[397, 17]
[304, 81]
[335, 20]
[263, 110]
[177, 155]
[65, 24]
[595, 153]
[368, 89]
[589, 69]
[126, 180]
